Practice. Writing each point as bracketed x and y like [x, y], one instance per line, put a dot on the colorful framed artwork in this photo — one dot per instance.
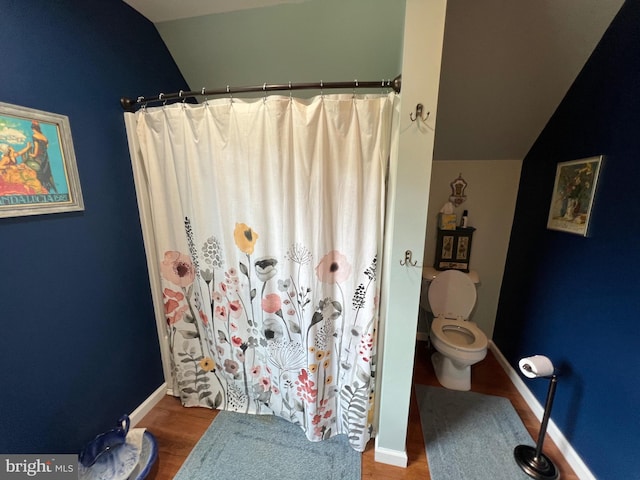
[573, 194]
[38, 172]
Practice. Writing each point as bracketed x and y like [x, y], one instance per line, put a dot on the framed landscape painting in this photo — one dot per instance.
[573, 194]
[38, 172]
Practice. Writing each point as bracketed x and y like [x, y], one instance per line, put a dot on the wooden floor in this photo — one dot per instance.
[178, 429]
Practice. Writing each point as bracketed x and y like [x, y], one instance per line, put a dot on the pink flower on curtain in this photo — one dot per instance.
[271, 303]
[177, 268]
[322, 413]
[305, 388]
[366, 347]
[179, 296]
[221, 313]
[235, 308]
[173, 311]
[265, 383]
[172, 308]
[333, 268]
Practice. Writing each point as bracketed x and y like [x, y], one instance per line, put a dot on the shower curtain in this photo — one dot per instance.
[267, 220]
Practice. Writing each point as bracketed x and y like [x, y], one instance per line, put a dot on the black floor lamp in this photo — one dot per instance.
[532, 461]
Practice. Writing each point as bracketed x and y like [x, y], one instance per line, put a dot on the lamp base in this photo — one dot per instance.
[540, 468]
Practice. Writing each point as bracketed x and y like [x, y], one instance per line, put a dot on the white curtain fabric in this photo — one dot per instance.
[267, 217]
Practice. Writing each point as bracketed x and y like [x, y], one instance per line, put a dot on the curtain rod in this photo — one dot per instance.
[129, 104]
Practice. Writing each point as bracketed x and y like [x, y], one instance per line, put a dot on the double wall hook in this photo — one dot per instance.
[419, 109]
[408, 259]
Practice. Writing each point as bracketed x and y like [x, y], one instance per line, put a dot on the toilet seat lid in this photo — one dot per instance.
[452, 294]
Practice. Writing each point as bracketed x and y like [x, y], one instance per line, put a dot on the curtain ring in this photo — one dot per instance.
[290, 92]
[355, 85]
[203, 92]
[143, 107]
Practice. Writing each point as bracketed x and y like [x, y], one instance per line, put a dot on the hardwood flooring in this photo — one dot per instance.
[178, 429]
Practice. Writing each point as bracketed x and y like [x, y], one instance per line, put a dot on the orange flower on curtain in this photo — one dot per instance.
[245, 238]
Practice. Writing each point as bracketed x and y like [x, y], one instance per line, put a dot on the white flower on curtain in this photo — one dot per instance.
[278, 319]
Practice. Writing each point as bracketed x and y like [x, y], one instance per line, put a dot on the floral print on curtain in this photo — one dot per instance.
[267, 218]
[291, 356]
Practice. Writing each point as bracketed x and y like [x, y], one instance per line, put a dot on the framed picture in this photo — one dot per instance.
[573, 194]
[38, 172]
[453, 249]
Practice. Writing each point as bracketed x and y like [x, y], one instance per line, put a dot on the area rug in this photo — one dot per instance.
[240, 446]
[470, 436]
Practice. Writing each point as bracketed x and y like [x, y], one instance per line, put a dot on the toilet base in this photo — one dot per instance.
[449, 375]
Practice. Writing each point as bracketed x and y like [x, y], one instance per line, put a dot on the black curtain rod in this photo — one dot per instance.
[129, 104]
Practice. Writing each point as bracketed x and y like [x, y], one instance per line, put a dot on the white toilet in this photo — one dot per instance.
[458, 341]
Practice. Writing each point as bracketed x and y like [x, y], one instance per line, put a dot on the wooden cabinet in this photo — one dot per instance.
[453, 249]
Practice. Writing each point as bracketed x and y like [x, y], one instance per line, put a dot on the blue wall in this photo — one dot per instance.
[78, 346]
[575, 299]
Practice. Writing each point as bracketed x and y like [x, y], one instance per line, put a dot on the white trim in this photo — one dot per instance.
[390, 457]
[411, 159]
[572, 457]
[146, 406]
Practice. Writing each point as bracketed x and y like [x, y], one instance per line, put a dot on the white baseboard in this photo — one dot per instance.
[146, 406]
[391, 457]
[572, 457]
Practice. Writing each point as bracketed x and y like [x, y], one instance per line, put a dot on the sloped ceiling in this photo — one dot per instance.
[165, 10]
[506, 65]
